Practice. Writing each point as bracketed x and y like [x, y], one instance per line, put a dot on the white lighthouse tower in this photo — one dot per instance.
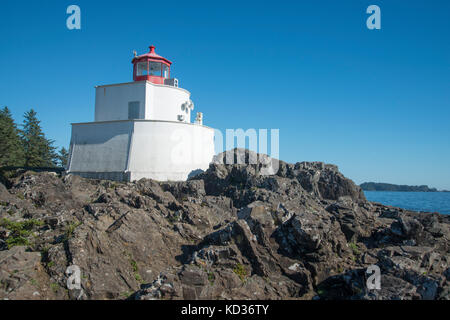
[142, 129]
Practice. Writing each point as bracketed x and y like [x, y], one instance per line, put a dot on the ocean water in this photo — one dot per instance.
[417, 201]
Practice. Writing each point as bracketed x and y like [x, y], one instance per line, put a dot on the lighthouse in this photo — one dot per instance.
[142, 129]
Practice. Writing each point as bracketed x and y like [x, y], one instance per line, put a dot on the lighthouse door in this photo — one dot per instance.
[134, 110]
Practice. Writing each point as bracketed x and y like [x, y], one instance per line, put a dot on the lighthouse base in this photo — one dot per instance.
[128, 150]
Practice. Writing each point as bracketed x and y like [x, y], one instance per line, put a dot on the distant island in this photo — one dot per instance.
[378, 186]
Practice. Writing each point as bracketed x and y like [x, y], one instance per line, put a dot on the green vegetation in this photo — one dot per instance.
[70, 229]
[126, 294]
[354, 248]
[321, 292]
[239, 238]
[20, 231]
[172, 218]
[27, 146]
[211, 277]
[54, 286]
[11, 148]
[135, 268]
[138, 277]
[134, 265]
[375, 186]
[44, 250]
[62, 157]
[39, 151]
[239, 269]
[17, 241]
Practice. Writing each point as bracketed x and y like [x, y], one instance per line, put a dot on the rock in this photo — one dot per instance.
[352, 286]
[324, 180]
[3, 191]
[21, 276]
[185, 189]
[393, 288]
[257, 214]
[406, 227]
[232, 232]
[355, 221]
[151, 188]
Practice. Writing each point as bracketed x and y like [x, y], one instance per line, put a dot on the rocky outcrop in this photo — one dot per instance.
[232, 232]
[22, 276]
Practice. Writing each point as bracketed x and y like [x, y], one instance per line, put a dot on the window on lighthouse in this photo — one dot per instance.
[165, 70]
[142, 69]
[155, 68]
[134, 110]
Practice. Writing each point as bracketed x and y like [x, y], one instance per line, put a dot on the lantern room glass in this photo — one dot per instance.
[155, 68]
[165, 71]
[142, 68]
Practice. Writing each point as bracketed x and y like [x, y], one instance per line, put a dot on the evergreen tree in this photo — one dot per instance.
[39, 151]
[62, 157]
[11, 149]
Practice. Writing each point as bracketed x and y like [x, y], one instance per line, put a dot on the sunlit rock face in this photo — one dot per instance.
[306, 232]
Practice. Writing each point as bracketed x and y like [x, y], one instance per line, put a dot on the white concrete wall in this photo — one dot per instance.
[131, 150]
[169, 150]
[100, 146]
[111, 102]
[165, 103]
[157, 102]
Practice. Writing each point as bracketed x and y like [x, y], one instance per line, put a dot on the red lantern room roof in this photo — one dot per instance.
[151, 67]
[151, 55]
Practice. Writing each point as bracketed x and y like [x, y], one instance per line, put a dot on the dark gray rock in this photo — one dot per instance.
[231, 232]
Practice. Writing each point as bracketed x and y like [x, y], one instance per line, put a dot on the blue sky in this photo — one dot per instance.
[374, 102]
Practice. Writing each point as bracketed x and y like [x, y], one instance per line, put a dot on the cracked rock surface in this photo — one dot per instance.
[231, 232]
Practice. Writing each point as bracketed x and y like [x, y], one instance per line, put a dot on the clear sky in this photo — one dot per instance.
[374, 102]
